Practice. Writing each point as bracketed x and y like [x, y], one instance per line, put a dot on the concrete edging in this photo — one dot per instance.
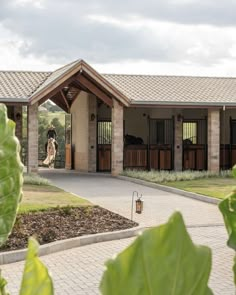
[173, 190]
[19, 255]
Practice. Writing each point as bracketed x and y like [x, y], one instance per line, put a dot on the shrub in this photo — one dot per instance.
[169, 176]
[35, 179]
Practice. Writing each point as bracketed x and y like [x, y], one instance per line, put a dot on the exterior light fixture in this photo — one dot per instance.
[179, 117]
[138, 204]
[92, 117]
[18, 116]
[69, 96]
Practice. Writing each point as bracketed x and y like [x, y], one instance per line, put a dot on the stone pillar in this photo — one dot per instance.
[178, 137]
[117, 138]
[18, 120]
[92, 134]
[213, 140]
[32, 128]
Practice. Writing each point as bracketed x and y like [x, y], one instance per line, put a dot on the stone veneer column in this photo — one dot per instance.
[117, 138]
[178, 136]
[213, 140]
[32, 128]
[92, 146]
[18, 121]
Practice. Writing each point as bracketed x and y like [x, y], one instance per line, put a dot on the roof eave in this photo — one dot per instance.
[14, 100]
[182, 104]
[70, 72]
[105, 83]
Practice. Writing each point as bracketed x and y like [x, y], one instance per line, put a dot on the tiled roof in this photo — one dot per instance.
[139, 89]
[55, 75]
[18, 86]
[175, 89]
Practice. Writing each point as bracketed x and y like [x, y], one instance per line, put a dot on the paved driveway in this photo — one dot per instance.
[78, 271]
[116, 194]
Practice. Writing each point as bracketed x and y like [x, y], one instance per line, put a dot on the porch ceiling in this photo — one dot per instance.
[65, 94]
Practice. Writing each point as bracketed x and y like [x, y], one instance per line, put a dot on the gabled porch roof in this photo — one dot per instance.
[77, 75]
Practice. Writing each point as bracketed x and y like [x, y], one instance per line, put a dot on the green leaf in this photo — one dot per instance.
[3, 284]
[163, 260]
[234, 171]
[11, 177]
[228, 209]
[36, 279]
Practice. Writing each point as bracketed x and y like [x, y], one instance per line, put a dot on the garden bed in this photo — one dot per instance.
[63, 223]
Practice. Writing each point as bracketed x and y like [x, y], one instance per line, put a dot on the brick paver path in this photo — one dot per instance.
[78, 271]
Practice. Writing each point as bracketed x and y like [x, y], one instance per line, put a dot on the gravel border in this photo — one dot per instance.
[173, 190]
[19, 255]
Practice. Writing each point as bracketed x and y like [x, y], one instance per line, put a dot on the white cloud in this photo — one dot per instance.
[165, 36]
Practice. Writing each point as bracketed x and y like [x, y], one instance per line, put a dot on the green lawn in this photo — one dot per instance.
[214, 187]
[39, 197]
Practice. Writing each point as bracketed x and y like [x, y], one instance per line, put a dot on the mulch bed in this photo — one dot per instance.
[63, 223]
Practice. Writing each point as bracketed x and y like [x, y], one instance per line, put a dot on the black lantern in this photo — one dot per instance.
[139, 205]
[18, 116]
[180, 118]
[92, 117]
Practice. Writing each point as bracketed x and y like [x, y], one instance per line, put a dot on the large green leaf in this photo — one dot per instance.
[163, 260]
[3, 284]
[11, 178]
[228, 209]
[36, 279]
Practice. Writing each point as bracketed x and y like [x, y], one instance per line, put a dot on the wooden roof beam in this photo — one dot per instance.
[95, 90]
[57, 100]
[65, 100]
[55, 90]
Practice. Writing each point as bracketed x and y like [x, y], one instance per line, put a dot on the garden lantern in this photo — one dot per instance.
[138, 204]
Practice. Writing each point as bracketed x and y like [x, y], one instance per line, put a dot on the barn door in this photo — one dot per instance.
[68, 147]
[195, 144]
[104, 145]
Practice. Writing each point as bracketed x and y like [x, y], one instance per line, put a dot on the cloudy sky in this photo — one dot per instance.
[177, 37]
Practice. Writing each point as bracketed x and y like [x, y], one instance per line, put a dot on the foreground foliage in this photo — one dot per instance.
[10, 175]
[36, 279]
[163, 260]
[228, 209]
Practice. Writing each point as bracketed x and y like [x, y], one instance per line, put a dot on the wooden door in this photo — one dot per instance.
[104, 137]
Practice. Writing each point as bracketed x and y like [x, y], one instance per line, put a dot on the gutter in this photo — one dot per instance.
[184, 104]
[14, 100]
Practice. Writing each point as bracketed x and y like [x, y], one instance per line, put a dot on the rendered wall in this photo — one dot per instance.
[79, 113]
[136, 122]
